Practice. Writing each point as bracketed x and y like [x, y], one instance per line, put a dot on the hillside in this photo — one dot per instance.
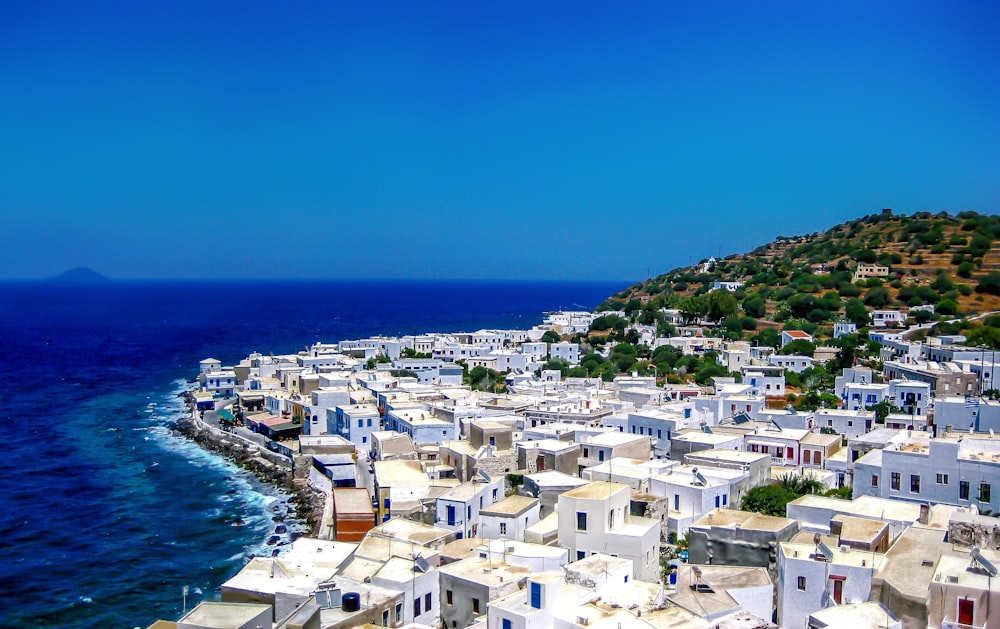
[939, 270]
[950, 262]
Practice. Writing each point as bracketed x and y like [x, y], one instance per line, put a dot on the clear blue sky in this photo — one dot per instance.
[541, 140]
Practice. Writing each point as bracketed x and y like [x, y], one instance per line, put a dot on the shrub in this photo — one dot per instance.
[990, 284]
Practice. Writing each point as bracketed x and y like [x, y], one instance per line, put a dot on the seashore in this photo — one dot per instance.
[286, 474]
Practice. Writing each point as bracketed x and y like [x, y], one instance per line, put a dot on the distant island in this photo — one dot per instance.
[80, 275]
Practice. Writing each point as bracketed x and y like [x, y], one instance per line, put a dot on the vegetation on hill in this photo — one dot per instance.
[940, 269]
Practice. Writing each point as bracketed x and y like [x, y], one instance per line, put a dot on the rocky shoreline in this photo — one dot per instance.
[306, 503]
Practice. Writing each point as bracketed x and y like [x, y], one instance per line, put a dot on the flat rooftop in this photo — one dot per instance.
[510, 506]
[595, 490]
[744, 520]
[224, 615]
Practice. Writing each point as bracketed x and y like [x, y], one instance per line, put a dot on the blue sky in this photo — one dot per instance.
[534, 140]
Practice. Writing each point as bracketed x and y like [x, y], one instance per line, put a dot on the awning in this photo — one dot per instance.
[772, 444]
[224, 414]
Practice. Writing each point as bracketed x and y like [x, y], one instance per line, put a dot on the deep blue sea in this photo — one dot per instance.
[106, 513]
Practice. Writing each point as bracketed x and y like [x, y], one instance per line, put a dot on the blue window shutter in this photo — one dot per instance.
[536, 595]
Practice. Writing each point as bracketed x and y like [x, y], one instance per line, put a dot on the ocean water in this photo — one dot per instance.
[106, 512]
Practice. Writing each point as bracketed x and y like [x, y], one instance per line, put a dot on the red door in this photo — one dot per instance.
[838, 591]
[965, 611]
[791, 454]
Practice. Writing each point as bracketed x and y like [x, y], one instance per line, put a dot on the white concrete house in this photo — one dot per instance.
[956, 471]
[787, 336]
[595, 518]
[850, 423]
[887, 318]
[766, 380]
[570, 352]
[913, 397]
[691, 493]
[420, 424]
[813, 577]
[844, 328]
[458, 509]
[509, 518]
[792, 362]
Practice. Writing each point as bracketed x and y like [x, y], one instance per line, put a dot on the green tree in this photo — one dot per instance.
[800, 347]
[990, 284]
[551, 336]
[856, 312]
[755, 306]
[877, 297]
[768, 499]
[721, 304]
[693, 308]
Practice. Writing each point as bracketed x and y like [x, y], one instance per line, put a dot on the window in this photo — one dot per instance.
[369, 421]
[399, 613]
[495, 494]
[416, 606]
[850, 422]
[894, 481]
[802, 584]
[718, 501]
[725, 499]
[874, 480]
[611, 518]
[475, 606]
[600, 455]
[448, 597]
[581, 554]
[385, 618]
[427, 602]
[914, 484]
[942, 479]
[963, 490]
[503, 528]
[581, 521]
[586, 453]
[984, 492]
[677, 502]
[505, 624]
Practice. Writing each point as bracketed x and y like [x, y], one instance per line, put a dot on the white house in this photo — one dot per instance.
[768, 381]
[956, 471]
[354, 422]
[844, 328]
[221, 384]
[814, 576]
[509, 518]
[912, 397]
[731, 286]
[859, 395]
[887, 318]
[420, 424]
[850, 423]
[458, 509]
[595, 518]
[791, 362]
[691, 493]
[787, 336]
[570, 352]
